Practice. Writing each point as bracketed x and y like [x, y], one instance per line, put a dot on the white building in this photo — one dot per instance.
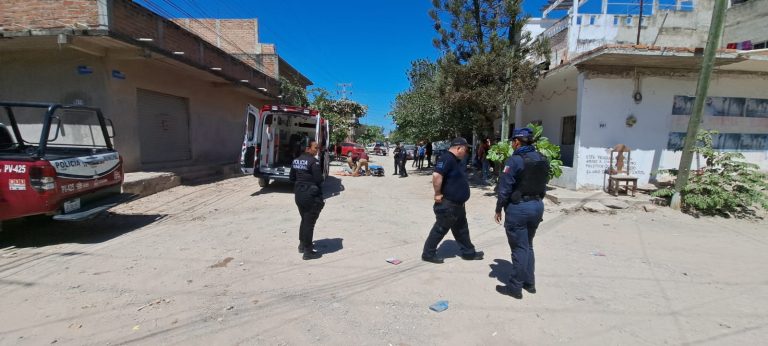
[603, 88]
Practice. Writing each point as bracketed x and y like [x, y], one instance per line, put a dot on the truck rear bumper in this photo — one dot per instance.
[92, 209]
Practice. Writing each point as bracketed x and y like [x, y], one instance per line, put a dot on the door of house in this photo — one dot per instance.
[163, 127]
[568, 140]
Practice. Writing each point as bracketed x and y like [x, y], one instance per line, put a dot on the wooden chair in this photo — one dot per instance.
[619, 170]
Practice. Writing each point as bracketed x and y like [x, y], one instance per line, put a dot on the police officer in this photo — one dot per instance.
[403, 160]
[451, 186]
[307, 175]
[522, 186]
[396, 156]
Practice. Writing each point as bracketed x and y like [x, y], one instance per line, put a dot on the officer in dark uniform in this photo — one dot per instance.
[307, 175]
[451, 192]
[403, 160]
[396, 156]
[522, 185]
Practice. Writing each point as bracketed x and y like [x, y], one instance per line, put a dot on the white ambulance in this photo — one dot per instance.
[277, 134]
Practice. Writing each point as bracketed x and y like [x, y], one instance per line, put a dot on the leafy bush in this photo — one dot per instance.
[499, 152]
[726, 186]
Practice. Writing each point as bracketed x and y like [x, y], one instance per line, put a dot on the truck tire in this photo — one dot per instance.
[263, 182]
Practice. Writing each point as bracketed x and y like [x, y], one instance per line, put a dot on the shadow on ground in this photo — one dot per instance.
[332, 187]
[448, 249]
[43, 231]
[501, 270]
[329, 245]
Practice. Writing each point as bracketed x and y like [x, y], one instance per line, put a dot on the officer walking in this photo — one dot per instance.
[522, 185]
[451, 191]
[307, 174]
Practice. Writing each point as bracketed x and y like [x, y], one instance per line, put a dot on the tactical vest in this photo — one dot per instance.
[533, 178]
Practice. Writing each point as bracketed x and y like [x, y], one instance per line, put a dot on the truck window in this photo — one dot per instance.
[7, 140]
[76, 128]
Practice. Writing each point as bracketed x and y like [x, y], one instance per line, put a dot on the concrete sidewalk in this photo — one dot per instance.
[148, 183]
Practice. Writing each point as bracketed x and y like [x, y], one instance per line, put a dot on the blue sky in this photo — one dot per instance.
[369, 44]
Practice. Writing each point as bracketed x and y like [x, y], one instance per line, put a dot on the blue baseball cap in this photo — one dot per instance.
[522, 133]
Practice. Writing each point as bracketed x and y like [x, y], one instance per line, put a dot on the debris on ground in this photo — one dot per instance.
[439, 306]
[223, 263]
[394, 261]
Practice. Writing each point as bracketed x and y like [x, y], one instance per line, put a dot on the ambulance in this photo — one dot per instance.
[275, 135]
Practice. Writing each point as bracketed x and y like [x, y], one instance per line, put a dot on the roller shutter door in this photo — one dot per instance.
[163, 127]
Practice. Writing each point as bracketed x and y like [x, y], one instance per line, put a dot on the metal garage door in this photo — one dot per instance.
[163, 127]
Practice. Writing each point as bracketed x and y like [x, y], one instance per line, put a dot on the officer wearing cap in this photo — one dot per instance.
[522, 185]
[307, 175]
[451, 192]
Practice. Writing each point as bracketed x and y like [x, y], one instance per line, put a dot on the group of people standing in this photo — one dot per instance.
[522, 186]
[421, 153]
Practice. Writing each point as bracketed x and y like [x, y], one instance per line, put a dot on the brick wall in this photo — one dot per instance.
[20, 15]
[133, 21]
[234, 36]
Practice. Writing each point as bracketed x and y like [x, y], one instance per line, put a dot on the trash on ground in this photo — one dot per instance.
[394, 261]
[597, 253]
[223, 263]
[439, 306]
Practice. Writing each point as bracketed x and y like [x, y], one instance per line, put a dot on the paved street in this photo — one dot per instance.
[217, 264]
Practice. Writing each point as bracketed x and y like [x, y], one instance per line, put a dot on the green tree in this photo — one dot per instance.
[293, 94]
[488, 62]
[341, 113]
[371, 134]
[417, 111]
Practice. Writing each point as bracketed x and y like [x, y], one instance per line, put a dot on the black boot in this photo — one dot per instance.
[310, 254]
[301, 248]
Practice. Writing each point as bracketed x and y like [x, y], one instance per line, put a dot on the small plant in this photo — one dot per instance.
[726, 186]
[499, 152]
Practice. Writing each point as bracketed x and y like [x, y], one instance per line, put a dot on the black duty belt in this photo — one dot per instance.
[530, 198]
[452, 202]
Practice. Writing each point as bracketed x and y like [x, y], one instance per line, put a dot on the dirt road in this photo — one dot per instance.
[217, 264]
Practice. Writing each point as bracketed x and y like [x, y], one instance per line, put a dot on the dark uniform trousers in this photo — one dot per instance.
[310, 203]
[397, 162]
[521, 222]
[403, 161]
[449, 216]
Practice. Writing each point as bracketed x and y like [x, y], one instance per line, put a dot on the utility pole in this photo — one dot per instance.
[640, 22]
[343, 90]
[713, 42]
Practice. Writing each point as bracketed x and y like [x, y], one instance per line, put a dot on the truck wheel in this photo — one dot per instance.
[263, 182]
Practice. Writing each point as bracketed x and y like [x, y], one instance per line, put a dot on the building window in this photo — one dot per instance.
[568, 135]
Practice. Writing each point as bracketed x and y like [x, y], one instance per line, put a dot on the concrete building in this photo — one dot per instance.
[603, 88]
[175, 98]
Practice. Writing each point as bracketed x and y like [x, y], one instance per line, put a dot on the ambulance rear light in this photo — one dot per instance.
[42, 178]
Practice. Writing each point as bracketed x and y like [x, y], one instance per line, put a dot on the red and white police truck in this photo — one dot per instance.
[56, 160]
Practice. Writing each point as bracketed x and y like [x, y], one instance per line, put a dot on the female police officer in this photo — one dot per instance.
[307, 174]
[522, 185]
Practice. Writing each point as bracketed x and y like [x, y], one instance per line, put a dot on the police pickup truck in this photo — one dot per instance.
[56, 160]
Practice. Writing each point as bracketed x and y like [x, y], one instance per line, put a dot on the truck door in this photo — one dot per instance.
[250, 148]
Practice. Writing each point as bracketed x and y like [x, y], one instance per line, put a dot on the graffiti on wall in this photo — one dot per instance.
[598, 163]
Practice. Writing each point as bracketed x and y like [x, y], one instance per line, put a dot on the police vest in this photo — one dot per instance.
[533, 178]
